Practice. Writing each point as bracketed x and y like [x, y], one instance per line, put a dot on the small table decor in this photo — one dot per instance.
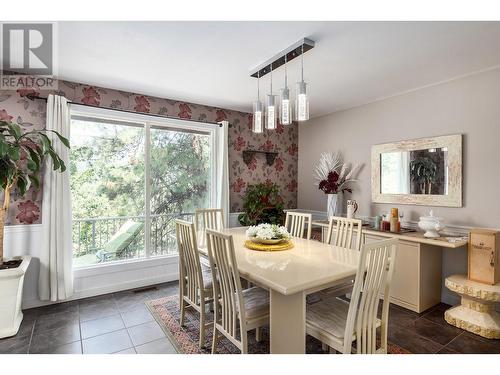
[268, 237]
[286, 245]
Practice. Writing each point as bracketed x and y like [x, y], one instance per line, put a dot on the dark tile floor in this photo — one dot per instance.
[121, 323]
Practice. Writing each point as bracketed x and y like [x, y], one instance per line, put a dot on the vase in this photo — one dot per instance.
[334, 205]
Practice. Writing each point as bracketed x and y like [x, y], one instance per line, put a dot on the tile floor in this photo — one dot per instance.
[121, 323]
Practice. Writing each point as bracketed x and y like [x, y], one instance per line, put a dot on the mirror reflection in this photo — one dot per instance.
[414, 172]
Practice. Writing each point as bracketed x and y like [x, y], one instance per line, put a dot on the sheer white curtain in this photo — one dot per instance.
[222, 168]
[56, 261]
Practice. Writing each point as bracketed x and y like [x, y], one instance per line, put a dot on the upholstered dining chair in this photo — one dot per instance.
[195, 284]
[338, 323]
[295, 223]
[208, 218]
[235, 309]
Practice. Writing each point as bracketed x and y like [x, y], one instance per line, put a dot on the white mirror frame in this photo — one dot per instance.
[454, 196]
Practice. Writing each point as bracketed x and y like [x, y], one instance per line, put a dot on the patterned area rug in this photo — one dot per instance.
[166, 312]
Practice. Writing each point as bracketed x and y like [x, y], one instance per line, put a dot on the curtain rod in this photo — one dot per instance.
[133, 112]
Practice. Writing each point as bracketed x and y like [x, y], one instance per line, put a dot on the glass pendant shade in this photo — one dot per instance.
[302, 102]
[271, 112]
[285, 107]
[258, 117]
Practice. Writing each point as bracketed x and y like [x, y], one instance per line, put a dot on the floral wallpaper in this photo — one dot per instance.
[23, 107]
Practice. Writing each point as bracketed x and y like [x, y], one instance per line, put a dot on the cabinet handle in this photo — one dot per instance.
[492, 259]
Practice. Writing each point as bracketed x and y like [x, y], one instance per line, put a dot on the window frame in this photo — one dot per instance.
[147, 122]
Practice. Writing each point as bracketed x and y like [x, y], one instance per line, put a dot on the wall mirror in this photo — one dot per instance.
[425, 171]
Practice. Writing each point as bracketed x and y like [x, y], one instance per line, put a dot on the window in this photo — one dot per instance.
[131, 177]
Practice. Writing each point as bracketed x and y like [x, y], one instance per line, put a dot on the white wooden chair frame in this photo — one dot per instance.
[344, 229]
[208, 218]
[192, 292]
[230, 314]
[375, 270]
[295, 223]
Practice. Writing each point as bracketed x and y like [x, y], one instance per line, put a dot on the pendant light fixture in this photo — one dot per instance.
[258, 112]
[285, 105]
[302, 100]
[271, 110]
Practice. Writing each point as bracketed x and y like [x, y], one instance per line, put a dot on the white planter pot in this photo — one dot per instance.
[11, 295]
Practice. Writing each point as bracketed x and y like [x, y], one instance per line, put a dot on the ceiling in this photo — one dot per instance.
[353, 63]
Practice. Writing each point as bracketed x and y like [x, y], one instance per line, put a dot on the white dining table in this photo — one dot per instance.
[289, 276]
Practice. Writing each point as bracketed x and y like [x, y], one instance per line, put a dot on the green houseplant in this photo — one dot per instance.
[423, 171]
[21, 159]
[262, 204]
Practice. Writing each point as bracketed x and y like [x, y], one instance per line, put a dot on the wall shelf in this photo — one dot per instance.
[248, 155]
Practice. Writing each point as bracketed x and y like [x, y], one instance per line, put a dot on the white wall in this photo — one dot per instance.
[469, 105]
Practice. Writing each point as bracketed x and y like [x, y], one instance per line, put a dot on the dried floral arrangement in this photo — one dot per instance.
[333, 175]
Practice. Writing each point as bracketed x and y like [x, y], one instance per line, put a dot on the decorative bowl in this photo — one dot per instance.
[267, 242]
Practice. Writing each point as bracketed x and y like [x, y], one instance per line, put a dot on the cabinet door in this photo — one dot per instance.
[405, 281]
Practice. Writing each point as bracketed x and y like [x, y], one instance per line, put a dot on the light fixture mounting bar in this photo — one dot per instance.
[295, 50]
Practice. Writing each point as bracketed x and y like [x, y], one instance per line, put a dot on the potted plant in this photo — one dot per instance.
[333, 177]
[262, 204]
[21, 159]
[423, 171]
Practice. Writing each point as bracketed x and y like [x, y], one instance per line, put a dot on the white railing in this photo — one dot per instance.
[93, 233]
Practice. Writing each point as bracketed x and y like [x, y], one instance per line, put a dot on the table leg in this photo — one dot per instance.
[288, 323]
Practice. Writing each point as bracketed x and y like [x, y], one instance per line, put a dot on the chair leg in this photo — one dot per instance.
[244, 343]
[202, 326]
[258, 334]
[183, 307]
[215, 338]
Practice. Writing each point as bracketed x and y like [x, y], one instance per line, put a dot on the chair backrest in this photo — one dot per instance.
[340, 232]
[190, 273]
[208, 218]
[375, 270]
[295, 223]
[227, 284]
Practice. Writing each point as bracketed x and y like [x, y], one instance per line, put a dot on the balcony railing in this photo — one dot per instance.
[93, 234]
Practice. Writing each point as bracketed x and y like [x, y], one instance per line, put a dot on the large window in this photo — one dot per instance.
[131, 177]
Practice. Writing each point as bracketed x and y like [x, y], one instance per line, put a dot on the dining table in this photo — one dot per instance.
[289, 276]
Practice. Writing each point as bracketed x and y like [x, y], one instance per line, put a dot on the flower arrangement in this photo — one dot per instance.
[267, 233]
[333, 175]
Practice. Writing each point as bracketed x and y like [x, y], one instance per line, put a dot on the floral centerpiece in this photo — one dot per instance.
[333, 177]
[267, 233]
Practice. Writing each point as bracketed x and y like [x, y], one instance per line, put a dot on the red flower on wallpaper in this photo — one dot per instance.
[90, 96]
[239, 143]
[28, 213]
[278, 164]
[4, 116]
[184, 111]
[280, 128]
[268, 146]
[220, 115]
[141, 104]
[238, 185]
[292, 186]
[293, 149]
[253, 163]
[30, 93]
[250, 121]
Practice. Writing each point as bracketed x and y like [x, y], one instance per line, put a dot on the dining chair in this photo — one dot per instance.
[338, 323]
[295, 223]
[340, 232]
[235, 309]
[208, 218]
[195, 284]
